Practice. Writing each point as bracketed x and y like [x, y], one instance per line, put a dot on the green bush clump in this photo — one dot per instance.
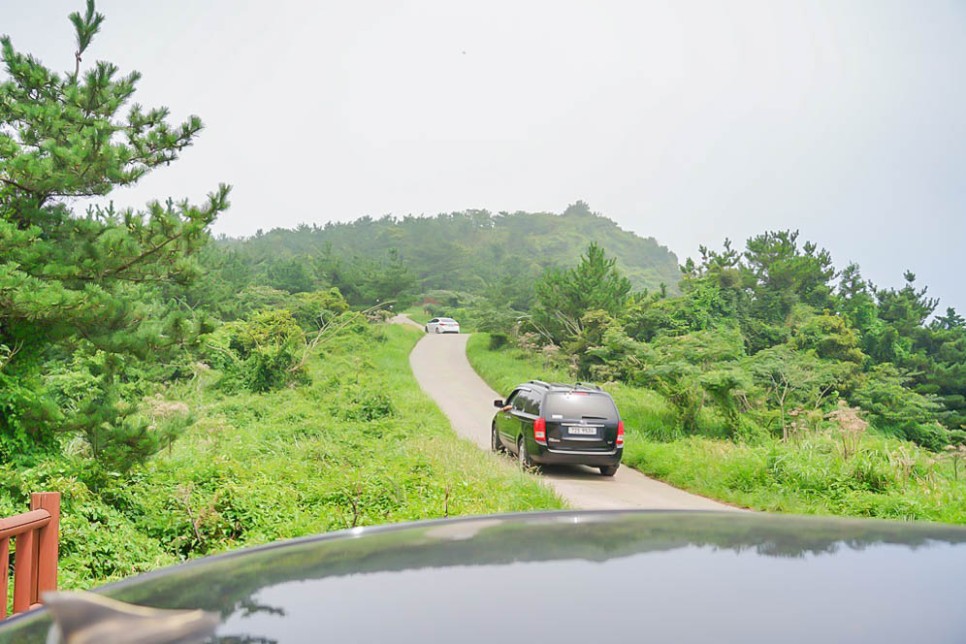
[97, 540]
[361, 405]
[931, 436]
[264, 353]
[317, 309]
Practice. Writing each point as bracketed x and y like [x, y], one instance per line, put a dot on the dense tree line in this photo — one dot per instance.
[770, 337]
[473, 252]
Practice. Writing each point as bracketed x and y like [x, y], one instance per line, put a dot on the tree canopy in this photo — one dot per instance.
[772, 335]
[473, 251]
[98, 290]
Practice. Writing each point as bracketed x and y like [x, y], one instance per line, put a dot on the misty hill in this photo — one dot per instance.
[462, 251]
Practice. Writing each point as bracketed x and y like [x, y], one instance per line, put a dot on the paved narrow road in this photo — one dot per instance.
[440, 365]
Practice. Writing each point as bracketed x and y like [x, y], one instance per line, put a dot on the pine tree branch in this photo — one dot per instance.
[142, 256]
[7, 354]
[123, 278]
[18, 186]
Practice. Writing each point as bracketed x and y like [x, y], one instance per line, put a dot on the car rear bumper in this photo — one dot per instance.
[571, 457]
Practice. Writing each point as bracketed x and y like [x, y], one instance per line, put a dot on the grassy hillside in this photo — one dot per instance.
[820, 472]
[360, 445]
[465, 251]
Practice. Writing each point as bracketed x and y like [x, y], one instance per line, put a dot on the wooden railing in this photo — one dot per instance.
[36, 535]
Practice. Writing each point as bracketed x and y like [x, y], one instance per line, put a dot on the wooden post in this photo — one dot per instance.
[45, 574]
[4, 575]
[23, 571]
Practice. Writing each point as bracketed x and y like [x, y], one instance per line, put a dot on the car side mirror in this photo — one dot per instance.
[497, 403]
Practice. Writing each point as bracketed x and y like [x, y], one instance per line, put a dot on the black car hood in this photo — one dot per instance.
[570, 576]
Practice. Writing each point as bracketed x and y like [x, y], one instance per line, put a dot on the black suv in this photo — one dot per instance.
[544, 422]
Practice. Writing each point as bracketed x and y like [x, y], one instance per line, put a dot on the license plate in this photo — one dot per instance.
[584, 431]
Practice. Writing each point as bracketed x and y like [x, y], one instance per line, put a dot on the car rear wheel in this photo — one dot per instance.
[437, 330]
[608, 470]
[495, 443]
[523, 454]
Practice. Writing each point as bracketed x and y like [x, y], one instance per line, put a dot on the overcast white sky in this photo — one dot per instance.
[687, 121]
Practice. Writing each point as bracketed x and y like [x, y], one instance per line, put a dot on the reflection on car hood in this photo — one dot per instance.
[653, 576]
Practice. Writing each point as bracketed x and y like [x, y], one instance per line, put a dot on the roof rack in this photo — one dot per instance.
[565, 385]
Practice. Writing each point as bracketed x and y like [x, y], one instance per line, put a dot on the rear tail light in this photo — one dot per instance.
[620, 434]
[540, 430]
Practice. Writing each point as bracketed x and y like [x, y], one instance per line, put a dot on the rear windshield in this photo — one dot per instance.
[578, 404]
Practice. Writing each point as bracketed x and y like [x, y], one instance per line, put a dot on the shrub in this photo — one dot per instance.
[899, 410]
[497, 341]
[871, 473]
[317, 309]
[24, 404]
[260, 354]
[367, 406]
[932, 436]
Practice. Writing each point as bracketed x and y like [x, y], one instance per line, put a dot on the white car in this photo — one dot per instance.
[442, 325]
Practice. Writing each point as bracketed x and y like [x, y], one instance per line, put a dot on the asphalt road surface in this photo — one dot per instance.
[440, 365]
